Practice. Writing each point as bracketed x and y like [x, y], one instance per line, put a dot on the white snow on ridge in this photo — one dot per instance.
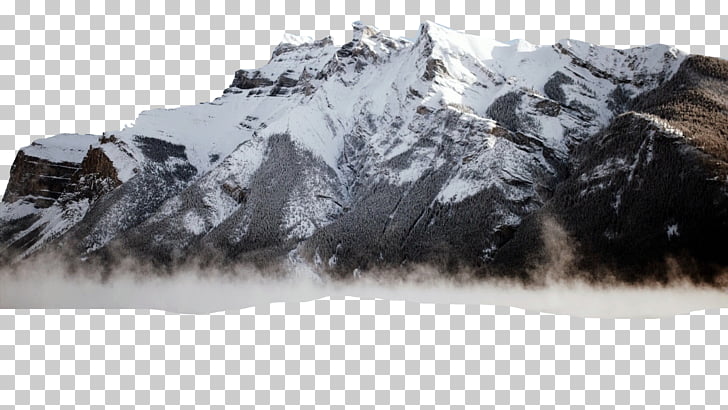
[126, 160]
[661, 123]
[62, 147]
[213, 128]
[194, 223]
[294, 55]
[625, 62]
[204, 130]
[458, 189]
[296, 40]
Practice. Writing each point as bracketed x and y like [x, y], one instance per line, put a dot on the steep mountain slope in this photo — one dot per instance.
[378, 153]
[648, 196]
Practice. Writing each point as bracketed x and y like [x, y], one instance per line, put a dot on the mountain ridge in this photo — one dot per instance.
[381, 152]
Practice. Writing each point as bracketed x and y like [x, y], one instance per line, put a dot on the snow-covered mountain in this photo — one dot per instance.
[377, 153]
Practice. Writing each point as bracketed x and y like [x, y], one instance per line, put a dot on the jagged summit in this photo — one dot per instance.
[363, 31]
[379, 152]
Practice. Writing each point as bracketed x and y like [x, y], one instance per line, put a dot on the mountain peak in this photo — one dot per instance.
[368, 44]
[363, 30]
[427, 26]
[430, 31]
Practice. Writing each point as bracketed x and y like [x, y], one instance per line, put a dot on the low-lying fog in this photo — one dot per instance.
[44, 285]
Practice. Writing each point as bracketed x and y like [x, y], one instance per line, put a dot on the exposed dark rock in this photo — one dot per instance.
[415, 93]
[287, 47]
[97, 175]
[284, 81]
[38, 180]
[245, 79]
[434, 68]
[423, 110]
[105, 139]
[239, 194]
[549, 108]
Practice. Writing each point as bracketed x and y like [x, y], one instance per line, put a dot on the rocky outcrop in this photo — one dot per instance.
[44, 181]
[96, 176]
[245, 80]
[40, 181]
[434, 68]
[286, 47]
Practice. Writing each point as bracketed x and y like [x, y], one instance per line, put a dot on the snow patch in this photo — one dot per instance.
[194, 223]
[15, 210]
[672, 231]
[62, 147]
[53, 222]
[458, 189]
[661, 123]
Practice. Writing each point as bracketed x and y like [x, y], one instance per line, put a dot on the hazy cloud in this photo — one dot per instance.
[49, 283]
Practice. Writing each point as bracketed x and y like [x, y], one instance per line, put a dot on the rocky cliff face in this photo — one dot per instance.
[380, 153]
[39, 180]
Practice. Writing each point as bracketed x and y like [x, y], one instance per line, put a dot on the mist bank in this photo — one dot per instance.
[42, 285]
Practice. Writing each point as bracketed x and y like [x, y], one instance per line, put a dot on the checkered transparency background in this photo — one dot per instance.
[92, 66]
